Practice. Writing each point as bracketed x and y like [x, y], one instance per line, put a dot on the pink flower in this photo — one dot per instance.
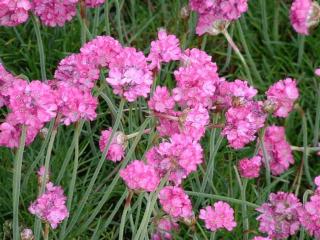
[317, 72]
[94, 3]
[117, 148]
[250, 168]
[300, 15]
[168, 127]
[242, 123]
[197, 79]
[279, 217]
[201, 6]
[165, 226]
[51, 206]
[164, 50]
[14, 12]
[140, 176]
[175, 202]
[55, 12]
[161, 100]
[76, 70]
[219, 216]
[278, 150]
[180, 156]
[283, 94]
[101, 51]
[129, 75]
[261, 238]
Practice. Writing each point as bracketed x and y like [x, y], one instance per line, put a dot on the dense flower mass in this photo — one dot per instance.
[175, 202]
[283, 94]
[55, 12]
[180, 156]
[250, 168]
[278, 150]
[117, 147]
[161, 100]
[165, 227]
[14, 12]
[219, 216]
[279, 217]
[139, 176]
[51, 206]
[129, 74]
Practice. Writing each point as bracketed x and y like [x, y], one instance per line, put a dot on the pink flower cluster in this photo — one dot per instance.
[219, 216]
[117, 146]
[51, 206]
[300, 16]
[14, 12]
[250, 168]
[165, 227]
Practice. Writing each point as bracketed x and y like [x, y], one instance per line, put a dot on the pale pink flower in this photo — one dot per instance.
[94, 3]
[140, 176]
[218, 216]
[165, 49]
[317, 72]
[165, 227]
[175, 202]
[129, 75]
[27, 234]
[278, 150]
[250, 168]
[261, 238]
[283, 94]
[14, 12]
[51, 206]
[55, 12]
[117, 147]
[279, 217]
[161, 100]
[77, 70]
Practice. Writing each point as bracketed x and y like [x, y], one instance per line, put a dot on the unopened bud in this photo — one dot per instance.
[26, 234]
[185, 12]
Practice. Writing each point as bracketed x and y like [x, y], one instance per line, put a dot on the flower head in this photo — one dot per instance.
[161, 100]
[261, 238]
[14, 12]
[165, 226]
[317, 72]
[117, 148]
[250, 168]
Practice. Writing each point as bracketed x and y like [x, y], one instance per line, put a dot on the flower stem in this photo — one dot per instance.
[133, 135]
[265, 156]
[46, 231]
[17, 182]
[124, 214]
[83, 14]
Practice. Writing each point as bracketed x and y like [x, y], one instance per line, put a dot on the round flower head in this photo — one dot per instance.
[283, 94]
[51, 206]
[129, 75]
[55, 12]
[14, 12]
[161, 100]
[164, 50]
[175, 202]
[165, 227]
[317, 72]
[219, 216]
[250, 168]
[279, 217]
[77, 71]
[117, 148]
[304, 14]
[94, 3]
[278, 150]
[139, 176]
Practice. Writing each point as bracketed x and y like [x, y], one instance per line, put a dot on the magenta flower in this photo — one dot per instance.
[14, 12]
[261, 238]
[250, 168]
[175, 202]
[165, 227]
[317, 72]
[129, 75]
[51, 206]
[279, 217]
[282, 95]
[117, 148]
[219, 216]
[168, 127]
[140, 176]
[94, 3]
[161, 100]
[278, 150]
[165, 49]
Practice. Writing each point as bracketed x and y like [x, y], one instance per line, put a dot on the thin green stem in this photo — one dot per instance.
[118, 20]
[301, 42]
[317, 122]
[124, 215]
[17, 182]
[265, 157]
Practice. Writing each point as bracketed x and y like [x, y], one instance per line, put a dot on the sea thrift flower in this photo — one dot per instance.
[279, 217]
[51, 206]
[117, 148]
[94, 3]
[283, 94]
[175, 202]
[317, 72]
[164, 50]
[14, 12]
[139, 176]
[219, 216]
[77, 71]
[181, 156]
[161, 100]
[168, 127]
[278, 150]
[129, 75]
[165, 226]
[55, 12]
[101, 50]
[261, 238]
[197, 79]
[242, 123]
[26, 234]
[250, 168]
[304, 15]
